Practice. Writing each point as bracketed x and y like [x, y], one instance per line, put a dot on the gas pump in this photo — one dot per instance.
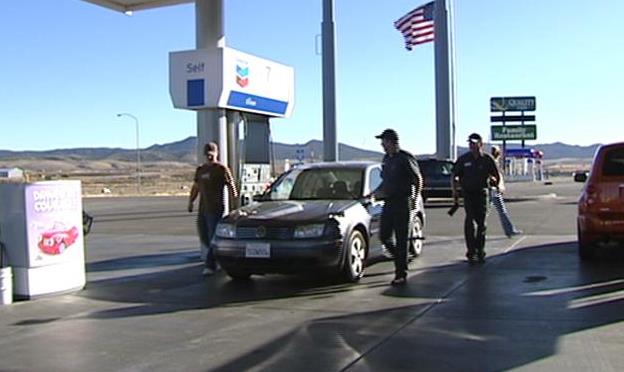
[256, 167]
[250, 90]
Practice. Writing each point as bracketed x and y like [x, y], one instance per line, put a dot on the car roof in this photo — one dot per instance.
[611, 145]
[339, 164]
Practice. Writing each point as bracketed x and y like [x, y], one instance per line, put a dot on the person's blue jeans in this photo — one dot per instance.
[499, 204]
[207, 225]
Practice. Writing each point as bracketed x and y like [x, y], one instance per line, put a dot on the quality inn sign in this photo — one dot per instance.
[513, 132]
[502, 104]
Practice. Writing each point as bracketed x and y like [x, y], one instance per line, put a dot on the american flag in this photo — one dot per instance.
[417, 25]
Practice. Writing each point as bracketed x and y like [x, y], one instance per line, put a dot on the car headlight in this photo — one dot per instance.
[309, 231]
[226, 230]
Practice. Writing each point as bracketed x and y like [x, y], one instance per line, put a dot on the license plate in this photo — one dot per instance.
[258, 250]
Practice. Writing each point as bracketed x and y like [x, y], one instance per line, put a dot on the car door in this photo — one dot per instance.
[373, 180]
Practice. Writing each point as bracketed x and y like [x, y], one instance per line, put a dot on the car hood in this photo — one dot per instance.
[290, 211]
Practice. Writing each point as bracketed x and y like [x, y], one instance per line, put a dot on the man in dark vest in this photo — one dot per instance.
[476, 172]
[400, 186]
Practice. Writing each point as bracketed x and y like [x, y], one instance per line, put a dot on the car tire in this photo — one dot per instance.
[354, 257]
[585, 249]
[238, 274]
[415, 246]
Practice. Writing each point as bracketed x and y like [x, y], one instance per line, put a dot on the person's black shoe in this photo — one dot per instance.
[472, 258]
[400, 281]
[481, 257]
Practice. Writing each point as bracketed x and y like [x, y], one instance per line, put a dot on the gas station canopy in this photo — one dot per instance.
[132, 5]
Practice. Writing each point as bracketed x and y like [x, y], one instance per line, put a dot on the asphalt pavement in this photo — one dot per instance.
[532, 306]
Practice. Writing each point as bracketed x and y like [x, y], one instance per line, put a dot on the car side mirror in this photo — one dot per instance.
[580, 176]
[366, 200]
[257, 197]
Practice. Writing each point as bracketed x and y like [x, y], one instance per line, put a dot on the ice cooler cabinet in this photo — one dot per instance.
[41, 226]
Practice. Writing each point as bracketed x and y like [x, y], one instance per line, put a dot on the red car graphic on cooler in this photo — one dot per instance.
[55, 241]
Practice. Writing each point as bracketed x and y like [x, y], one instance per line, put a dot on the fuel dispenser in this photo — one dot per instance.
[251, 90]
[229, 88]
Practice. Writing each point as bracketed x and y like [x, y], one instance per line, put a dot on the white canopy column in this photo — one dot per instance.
[210, 34]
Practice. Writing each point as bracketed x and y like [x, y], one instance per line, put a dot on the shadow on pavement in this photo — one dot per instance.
[144, 261]
[511, 311]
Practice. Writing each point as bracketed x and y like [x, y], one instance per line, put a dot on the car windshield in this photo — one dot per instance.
[436, 167]
[318, 183]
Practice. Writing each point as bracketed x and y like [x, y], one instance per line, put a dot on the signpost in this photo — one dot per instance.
[507, 104]
[512, 132]
[508, 118]
[503, 104]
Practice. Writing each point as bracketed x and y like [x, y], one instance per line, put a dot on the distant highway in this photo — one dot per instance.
[527, 205]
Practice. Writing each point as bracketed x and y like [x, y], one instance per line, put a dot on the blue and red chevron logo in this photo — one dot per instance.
[242, 74]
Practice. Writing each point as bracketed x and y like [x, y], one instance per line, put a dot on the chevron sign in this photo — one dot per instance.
[242, 74]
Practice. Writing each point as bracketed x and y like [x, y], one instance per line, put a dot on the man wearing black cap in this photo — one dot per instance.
[475, 171]
[400, 186]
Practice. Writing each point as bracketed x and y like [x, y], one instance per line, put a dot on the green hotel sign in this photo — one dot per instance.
[502, 104]
[513, 132]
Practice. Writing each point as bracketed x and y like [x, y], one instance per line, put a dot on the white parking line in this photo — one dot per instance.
[515, 244]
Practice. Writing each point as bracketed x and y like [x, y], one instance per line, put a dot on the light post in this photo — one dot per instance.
[138, 151]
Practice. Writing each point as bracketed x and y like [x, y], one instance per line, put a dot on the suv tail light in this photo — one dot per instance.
[593, 194]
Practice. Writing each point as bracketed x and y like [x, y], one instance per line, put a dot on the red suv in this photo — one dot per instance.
[601, 206]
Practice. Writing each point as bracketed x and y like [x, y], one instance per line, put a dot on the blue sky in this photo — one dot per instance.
[68, 67]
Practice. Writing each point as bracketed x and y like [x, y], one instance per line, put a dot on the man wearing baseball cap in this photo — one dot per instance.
[475, 171]
[400, 187]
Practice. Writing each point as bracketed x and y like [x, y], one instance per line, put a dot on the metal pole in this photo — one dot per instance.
[138, 150]
[453, 78]
[442, 84]
[328, 31]
[138, 161]
[210, 35]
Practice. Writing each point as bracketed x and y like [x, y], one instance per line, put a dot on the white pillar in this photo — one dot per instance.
[209, 34]
[442, 81]
[328, 32]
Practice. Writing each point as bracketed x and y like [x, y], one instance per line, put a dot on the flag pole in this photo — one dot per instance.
[328, 32]
[453, 76]
[444, 109]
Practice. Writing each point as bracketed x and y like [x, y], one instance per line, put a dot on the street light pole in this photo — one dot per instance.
[138, 151]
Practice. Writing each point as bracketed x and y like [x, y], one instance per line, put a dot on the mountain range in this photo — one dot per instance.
[184, 151]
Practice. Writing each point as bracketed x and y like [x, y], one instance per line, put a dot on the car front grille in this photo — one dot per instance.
[262, 232]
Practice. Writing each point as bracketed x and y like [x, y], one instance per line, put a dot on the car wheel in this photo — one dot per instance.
[355, 254]
[585, 249]
[238, 274]
[416, 238]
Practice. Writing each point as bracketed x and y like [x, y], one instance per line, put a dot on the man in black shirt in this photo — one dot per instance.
[475, 171]
[400, 186]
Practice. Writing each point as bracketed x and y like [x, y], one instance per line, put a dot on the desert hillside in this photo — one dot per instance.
[169, 168]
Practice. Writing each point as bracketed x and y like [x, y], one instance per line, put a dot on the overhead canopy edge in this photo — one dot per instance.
[128, 5]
